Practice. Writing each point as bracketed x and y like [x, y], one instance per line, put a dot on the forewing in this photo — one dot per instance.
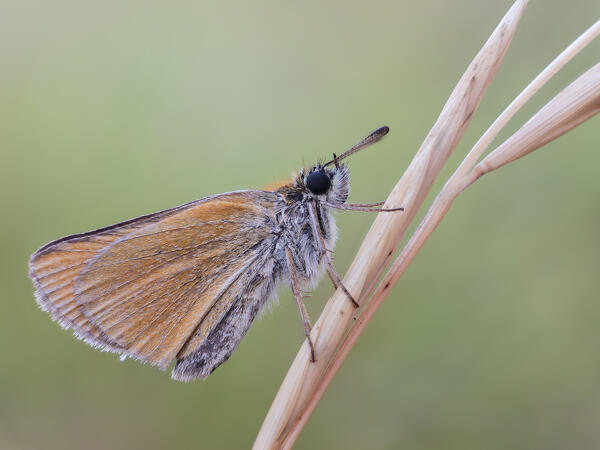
[142, 287]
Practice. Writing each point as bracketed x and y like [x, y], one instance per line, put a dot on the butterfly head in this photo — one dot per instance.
[330, 184]
[329, 181]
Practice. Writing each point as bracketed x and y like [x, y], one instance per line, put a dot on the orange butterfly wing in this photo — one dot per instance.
[143, 287]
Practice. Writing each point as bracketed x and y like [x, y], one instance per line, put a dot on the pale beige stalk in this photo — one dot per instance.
[577, 103]
[536, 84]
[280, 428]
[574, 105]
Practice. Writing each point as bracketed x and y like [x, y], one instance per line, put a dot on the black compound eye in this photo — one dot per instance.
[318, 182]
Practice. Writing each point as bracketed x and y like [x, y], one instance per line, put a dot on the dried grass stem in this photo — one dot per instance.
[305, 382]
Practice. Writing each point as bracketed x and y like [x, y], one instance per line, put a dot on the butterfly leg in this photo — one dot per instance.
[367, 207]
[333, 275]
[337, 281]
[300, 300]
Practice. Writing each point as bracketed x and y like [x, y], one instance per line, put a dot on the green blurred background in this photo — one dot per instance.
[110, 110]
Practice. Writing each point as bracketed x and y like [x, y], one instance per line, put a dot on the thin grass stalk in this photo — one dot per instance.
[288, 411]
[574, 105]
[532, 88]
[584, 99]
[462, 178]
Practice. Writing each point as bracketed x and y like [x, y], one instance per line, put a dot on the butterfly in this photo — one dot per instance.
[186, 283]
